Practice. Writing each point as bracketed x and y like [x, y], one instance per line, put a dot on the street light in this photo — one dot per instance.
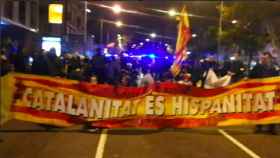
[119, 24]
[232, 58]
[172, 12]
[88, 10]
[147, 40]
[119, 37]
[153, 35]
[234, 21]
[194, 35]
[117, 9]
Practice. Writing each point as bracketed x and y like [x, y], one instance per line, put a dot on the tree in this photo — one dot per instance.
[254, 28]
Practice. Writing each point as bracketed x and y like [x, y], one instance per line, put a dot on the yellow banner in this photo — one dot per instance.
[65, 102]
[6, 97]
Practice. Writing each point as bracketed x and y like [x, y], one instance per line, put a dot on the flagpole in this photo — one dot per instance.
[1, 97]
[85, 26]
[220, 28]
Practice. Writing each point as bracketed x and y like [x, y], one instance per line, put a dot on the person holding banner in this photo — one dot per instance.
[4, 65]
[99, 66]
[236, 68]
[147, 79]
[263, 69]
[210, 78]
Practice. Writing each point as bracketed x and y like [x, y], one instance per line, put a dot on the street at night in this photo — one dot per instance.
[139, 79]
[21, 139]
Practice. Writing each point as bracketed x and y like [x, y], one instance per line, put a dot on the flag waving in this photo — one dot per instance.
[184, 35]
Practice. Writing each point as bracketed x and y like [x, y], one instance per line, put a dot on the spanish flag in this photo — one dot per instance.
[184, 35]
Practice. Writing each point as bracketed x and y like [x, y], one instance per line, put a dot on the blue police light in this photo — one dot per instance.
[105, 51]
[89, 53]
[125, 54]
[30, 59]
[3, 22]
[166, 57]
[152, 56]
[143, 55]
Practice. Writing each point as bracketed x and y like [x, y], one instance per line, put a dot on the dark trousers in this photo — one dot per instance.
[100, 76]
[271, 127]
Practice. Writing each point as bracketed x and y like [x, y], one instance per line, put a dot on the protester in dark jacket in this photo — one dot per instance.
[196, 72]
[4, 65]
[86, 70]
[264, 68]
[236, 68]
[99, 66]
[113, 72]
[40, 64]
[55, 65]
[21, 61]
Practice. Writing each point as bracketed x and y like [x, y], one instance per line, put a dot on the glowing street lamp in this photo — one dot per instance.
[172, 12]
[147, 40]
[194, 35]
[117, 9]
[119, 24]
[234, 21]
[119, 37]
[88, 10]
[153, 35]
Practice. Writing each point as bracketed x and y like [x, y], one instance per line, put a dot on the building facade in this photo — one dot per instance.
[27, 22]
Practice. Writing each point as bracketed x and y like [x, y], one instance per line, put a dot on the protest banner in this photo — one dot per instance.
[65, 103]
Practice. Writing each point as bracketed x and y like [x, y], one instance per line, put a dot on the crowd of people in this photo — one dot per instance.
[124, 71]
[115, 71]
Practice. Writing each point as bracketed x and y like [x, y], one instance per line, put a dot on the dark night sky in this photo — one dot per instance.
[157, 22]
[160, 23]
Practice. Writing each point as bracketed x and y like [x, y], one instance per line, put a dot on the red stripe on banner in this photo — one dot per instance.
[49, 82]
[250, 116]
[179, 89]
[114, 92]
[48, 114]
[101, 90]
[156, 122]
[130, 92]
[169, 122]
[146, 121]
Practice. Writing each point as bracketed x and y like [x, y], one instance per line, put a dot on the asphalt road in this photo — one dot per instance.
[27, 140]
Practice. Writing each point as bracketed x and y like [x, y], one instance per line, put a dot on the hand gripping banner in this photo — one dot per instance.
[66, 103]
